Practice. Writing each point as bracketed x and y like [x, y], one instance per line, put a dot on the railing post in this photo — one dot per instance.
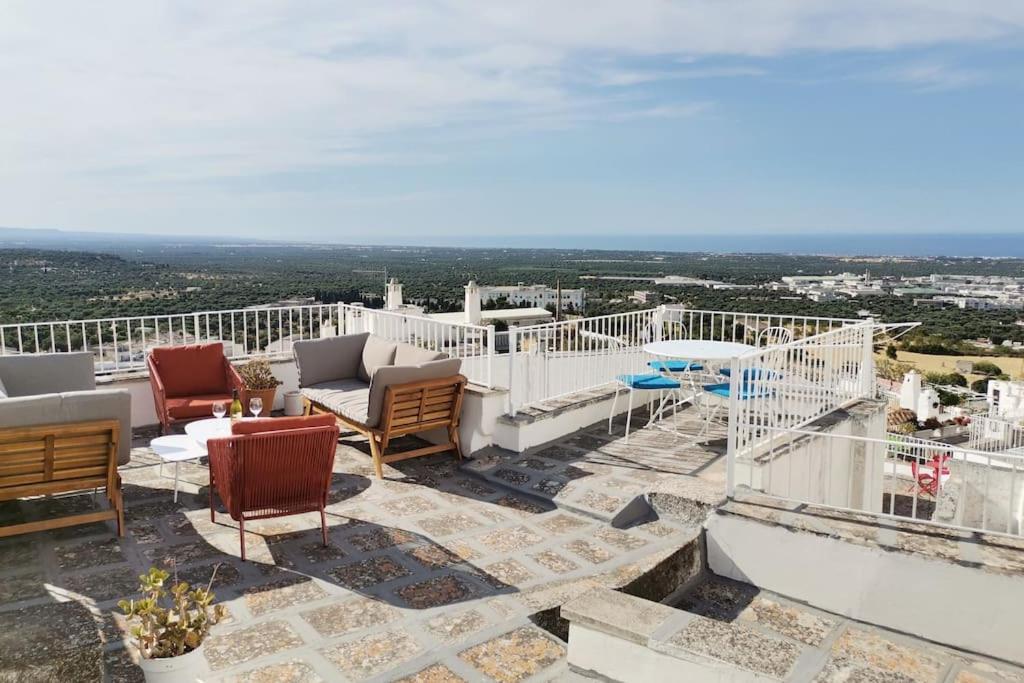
[490, 356]
[733, 434]
[868, 385]
[195, 328]
[513, 343]
[659, 322]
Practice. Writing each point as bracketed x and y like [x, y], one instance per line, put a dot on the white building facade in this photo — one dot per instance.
[538, 296]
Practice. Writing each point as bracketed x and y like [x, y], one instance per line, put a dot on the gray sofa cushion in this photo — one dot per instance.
[377, 353]
[407, 354]
[347, 397]
[403, 374]
[73, 406]
[323, 360]
[3, 389]
[47, 373]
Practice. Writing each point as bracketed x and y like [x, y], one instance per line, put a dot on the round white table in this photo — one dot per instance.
[176, 448]
[698, 349]
[202, 431]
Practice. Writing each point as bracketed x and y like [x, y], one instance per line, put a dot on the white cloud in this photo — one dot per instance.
[157, 93]
[930, 76]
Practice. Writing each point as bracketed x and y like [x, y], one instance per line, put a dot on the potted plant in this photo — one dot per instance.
[170, 625]
[260, 383]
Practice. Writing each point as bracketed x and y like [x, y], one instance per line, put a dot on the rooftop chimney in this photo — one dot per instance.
[393, 300]
[471, 307]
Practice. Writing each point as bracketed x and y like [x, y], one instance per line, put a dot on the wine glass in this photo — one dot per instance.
[255, 406]
[220, 409]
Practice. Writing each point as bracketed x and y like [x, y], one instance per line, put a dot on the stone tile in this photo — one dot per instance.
[350, 615]
[590, 552]
[562, 523]
[719, 599]
[112, 583]
[738, 646]
[510, 540]
[440, 590]
[433, 556]
[843, 670]
[200, 575]
[601, 502]
[411, 505]
[17, 554]
[145, 533]
[476, 487]
[514, 656]
[294, 671]
[185, 553]
[368, 572]
[550, 487]
[28, 643]
[448, 524]
[788, 620]
[561, 454]
[881, 652]
[436, 673]
[456, 627]
[24, 587]
[316, 552]
[996, 673]
[658, 529]
[489, 513]
[120, 668]
[463, 550]
[552, 561]
[521, 505]
[535, 464]
[373, 654]
[281, 594]
[147, 512]
[241, 645]
[506, 573]
[555, 593]
[381, 537]
[88, 554]
[620, 539]
[512, 476]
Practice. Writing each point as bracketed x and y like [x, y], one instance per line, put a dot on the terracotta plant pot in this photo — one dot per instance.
[268, 396]
[188, 667]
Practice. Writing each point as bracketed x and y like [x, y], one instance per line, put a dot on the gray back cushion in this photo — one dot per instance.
[326, 360]
[407, 354]
[47, 373]
[403, 374]
[3, 389]
[376, 353]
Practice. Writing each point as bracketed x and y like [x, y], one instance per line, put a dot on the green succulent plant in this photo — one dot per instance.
[170, 620]
[257, 375]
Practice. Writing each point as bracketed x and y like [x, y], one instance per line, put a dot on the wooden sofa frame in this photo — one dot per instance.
[61, 458]
[410, 409]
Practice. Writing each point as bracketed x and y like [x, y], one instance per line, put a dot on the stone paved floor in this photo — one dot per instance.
[430, 575]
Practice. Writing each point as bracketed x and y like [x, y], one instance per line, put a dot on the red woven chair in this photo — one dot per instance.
[188, 380]
[930, 476]
[274, 467]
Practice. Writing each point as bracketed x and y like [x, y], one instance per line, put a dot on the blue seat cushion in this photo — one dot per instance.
[675, 365]
[746, 391]
[650, 381]
[751, 373]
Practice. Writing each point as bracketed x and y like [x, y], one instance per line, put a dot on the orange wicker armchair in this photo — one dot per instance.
[188, 380]
[273, 467]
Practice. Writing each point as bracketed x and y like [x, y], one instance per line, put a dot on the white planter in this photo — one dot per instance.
[188, 667]
[293, 403]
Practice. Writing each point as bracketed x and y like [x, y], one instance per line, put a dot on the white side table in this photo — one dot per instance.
[175, 449]
[201, 431]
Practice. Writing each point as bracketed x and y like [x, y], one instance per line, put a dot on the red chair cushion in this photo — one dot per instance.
[186, 407]
[277, 424]
[191, 370]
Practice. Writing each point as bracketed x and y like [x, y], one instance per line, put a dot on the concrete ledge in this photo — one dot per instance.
[618, 614]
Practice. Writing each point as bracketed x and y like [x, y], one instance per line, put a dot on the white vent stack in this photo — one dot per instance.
[471, 307]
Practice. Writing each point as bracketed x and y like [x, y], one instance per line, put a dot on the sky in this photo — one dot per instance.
[382, 121]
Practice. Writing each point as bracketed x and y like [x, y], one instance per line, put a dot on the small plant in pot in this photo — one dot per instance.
[260, 383]
[168, 625]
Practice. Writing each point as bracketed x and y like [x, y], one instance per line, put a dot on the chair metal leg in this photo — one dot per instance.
[629, 414]
[323, 526]
[611, 415]
[241, 536]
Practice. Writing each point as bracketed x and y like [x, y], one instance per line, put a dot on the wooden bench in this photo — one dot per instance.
[61, 458]
[410, 409]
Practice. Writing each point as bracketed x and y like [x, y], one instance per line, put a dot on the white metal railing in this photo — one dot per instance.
[896, 476]
[121, 344]
[790, 386]
[554, 359]
[992, 434]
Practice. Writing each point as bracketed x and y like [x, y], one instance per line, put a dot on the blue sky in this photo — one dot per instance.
[370, 122]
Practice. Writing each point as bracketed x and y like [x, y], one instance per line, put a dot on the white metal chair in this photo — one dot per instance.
[654, 381]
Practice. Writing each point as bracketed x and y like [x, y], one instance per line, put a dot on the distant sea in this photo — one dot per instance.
[990, 245]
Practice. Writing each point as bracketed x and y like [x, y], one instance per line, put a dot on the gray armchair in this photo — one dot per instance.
[60, 388]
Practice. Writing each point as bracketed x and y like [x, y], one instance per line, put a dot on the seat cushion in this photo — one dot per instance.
[187, 407]
[377, 352]
[747, 391]
[346, 397]
[328, 359]
[675, 366]
[404, 374]
[407, 354]
[652, 381]
[194, 370]
[279, 424]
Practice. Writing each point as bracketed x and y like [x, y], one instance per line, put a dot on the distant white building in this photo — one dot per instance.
[1006, 400]
[539, 296]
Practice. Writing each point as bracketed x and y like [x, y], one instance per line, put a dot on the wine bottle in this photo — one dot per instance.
[236, 406]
